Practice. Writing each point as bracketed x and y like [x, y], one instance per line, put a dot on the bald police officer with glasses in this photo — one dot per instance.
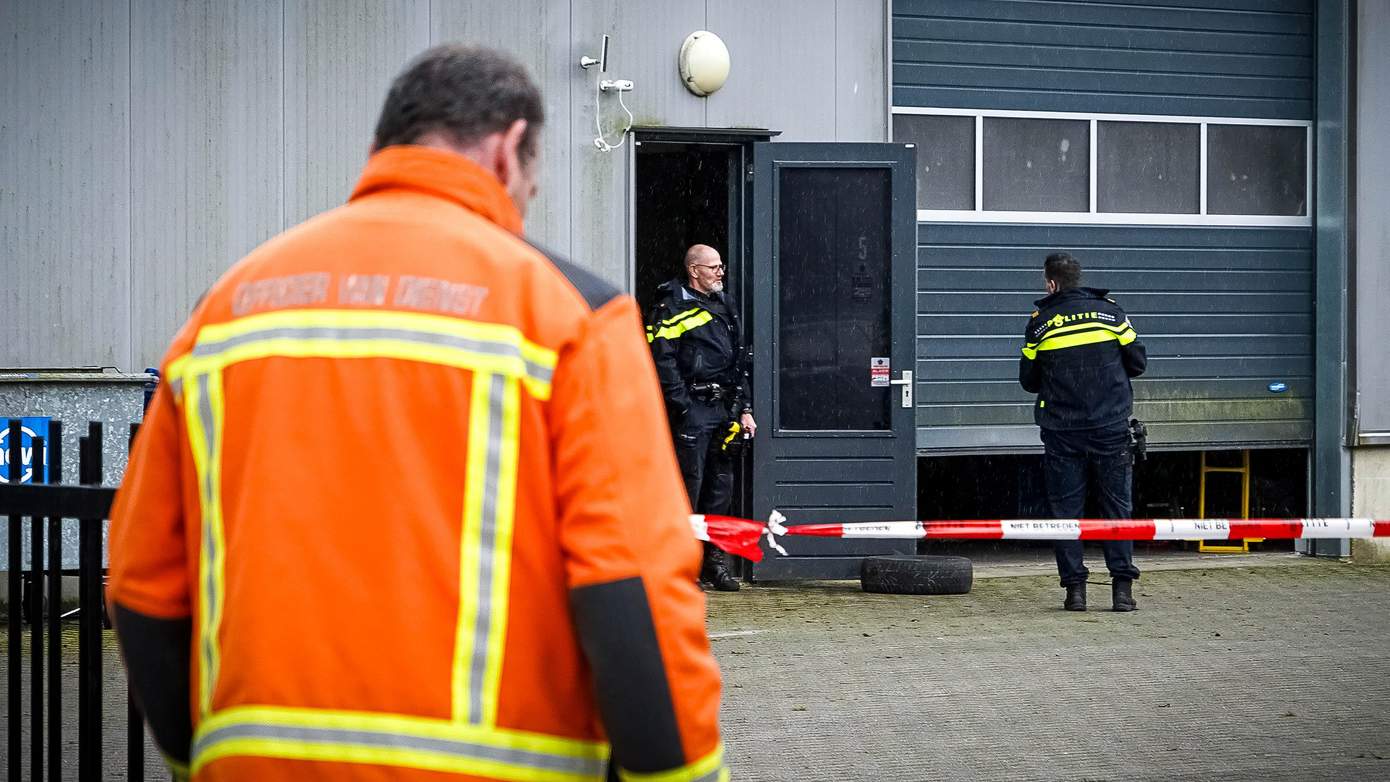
[697, 345]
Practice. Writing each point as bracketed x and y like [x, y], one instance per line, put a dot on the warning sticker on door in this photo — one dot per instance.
[879, 370]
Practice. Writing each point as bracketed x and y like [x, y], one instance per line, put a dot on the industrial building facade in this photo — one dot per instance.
[884, 178]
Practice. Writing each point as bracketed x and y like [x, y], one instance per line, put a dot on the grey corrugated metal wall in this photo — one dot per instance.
[1372, 252]
[1224, 311]
[146, 145]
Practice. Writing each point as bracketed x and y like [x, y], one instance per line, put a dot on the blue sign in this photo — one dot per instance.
[31, 428]
[1278, 388]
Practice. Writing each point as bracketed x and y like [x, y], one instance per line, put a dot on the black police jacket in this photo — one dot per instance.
[1079, 353]
[696, 338]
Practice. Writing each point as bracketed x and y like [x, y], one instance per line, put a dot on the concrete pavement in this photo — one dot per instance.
[1279, 672]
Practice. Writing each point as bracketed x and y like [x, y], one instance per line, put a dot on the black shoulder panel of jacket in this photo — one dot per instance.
[615, 628]
[594, 289]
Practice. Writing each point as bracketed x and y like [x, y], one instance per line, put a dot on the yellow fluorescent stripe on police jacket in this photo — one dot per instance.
[710, 768]
[674, 319]
[675, 327]
[1083, 334]
[1052, 332]
[395, 740]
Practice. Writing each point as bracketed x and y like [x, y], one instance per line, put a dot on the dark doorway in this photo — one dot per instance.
[688, 191]
[684, 194]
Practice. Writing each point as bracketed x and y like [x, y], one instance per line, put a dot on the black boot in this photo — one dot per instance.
[1076, 597]
[1122, 596]
[716, 572]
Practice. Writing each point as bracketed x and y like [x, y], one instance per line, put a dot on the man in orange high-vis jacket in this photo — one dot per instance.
[376, 526]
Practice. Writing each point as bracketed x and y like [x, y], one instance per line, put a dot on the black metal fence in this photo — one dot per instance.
[35, 599]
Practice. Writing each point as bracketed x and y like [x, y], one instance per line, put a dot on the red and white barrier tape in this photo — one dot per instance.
[742, 536]
[1101, 529]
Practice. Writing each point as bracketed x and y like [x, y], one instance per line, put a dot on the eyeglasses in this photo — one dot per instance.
[717, 267]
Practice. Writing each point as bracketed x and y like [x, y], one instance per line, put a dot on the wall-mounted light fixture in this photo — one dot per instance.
[704, 62]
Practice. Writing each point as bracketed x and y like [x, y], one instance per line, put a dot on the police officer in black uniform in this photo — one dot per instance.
[696, 342]
[1079, 354]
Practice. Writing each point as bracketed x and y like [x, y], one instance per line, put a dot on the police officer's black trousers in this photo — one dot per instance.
[1095, 463]
[708, 473]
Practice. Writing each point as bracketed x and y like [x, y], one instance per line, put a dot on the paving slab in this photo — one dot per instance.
[1274, 669]
[1272, 672]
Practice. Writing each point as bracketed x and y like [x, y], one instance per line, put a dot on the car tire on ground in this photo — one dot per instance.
[925, 575]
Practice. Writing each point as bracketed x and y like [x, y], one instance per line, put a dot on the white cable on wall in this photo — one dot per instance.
[601, 141]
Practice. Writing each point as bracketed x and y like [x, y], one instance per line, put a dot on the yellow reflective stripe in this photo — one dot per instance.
[710, 768]
[1091, 333]
[178, 770]
[488, 347]
[1079, 327]
[1076, 340]
[660, 328]
[395, 740]
[219, 553]
[485, 548]
[173, 375]
[502, 548]
[203, 416]
[379, 319]
[674, 330]
[681, 316]
[470, 541]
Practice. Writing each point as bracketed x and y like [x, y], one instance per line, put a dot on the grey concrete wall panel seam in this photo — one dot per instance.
[64, 194]
[1372, 230]
[1331, 458]
[213, 126]
[537, 33]
[207, 158]
[339, 58]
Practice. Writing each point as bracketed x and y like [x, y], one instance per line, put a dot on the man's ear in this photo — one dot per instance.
[509, 155]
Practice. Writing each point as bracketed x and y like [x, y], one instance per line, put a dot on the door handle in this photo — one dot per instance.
[905, 380]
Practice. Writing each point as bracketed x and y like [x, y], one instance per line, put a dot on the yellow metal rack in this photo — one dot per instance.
[1226, 546]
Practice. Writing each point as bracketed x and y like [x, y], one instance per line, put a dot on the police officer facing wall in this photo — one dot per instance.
[697, 345]
[1079, 354]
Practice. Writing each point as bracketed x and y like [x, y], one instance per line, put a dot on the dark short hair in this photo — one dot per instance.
[465, 92]
[1062, 269]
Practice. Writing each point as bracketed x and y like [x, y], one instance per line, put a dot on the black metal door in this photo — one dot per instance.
[834, 231]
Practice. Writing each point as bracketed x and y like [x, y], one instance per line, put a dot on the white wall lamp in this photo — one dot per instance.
[703, 62]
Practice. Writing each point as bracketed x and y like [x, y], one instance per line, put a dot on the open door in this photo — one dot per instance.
[834, 239]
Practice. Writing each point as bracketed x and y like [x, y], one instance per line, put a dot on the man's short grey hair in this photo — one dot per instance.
[464, 92]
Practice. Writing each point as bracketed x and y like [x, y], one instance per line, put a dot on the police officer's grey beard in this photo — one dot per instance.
[716, 287]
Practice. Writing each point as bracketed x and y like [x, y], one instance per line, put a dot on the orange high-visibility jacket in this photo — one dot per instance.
[405, 507]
